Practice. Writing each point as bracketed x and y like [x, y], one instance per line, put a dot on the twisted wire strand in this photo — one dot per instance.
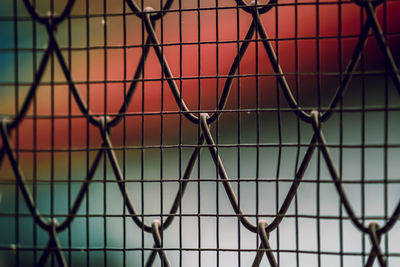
[104, 124]
[376, 249]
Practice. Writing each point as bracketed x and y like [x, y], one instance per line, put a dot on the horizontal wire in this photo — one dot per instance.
[196, 215]
[111, 249]
[6, 50]
[366, 73]
[194, 180]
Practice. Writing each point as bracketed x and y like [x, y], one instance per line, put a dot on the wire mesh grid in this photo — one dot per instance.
[191, 133]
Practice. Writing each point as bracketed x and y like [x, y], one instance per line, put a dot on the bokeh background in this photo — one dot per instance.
[102, 42]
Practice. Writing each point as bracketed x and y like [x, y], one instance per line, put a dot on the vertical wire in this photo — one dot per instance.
[69, 175]
[258, 243]
[198, 129]
[124, 142]
[364, 237]
[217, 128]
[35, 161]
[180, 132]
[239, 156]
[258, 122]
[318, 193]
[257, 113]
[162, 132]
[340, 131]
[105, 120]
[280, 144]
[238, 124]
[238, 108]
[386, 136]
[52, 100]
[16, 95]
[87, 49]
[297, 82]
[142, 141]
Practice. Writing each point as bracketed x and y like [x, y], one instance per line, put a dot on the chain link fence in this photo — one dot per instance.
[263, 102]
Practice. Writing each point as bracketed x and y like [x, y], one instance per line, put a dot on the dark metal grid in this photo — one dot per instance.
[104, 123]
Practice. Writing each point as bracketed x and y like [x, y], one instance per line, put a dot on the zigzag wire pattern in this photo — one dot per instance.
[105, 124]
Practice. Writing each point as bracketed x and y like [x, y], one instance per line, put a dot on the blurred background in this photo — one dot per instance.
[262, 142]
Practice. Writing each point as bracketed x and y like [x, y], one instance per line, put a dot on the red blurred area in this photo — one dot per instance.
[313, 29]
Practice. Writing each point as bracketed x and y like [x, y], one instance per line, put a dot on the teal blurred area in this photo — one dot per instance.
[261, 141]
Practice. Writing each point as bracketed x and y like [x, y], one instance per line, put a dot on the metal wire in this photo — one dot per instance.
[105, 123]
